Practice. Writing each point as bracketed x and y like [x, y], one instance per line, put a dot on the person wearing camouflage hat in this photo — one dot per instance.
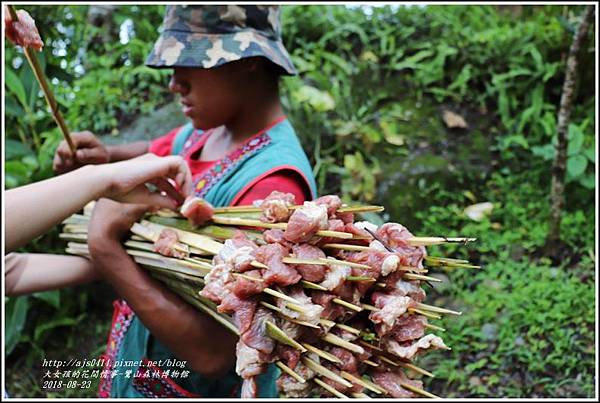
[240, 146]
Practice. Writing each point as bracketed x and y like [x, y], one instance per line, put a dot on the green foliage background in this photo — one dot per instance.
[367, 105]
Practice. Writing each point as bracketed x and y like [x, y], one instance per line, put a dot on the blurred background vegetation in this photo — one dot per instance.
[427, 110]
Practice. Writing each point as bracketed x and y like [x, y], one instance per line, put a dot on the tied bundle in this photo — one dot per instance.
[336, 304]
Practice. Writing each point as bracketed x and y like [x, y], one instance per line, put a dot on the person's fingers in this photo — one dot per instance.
[179, 171]
[63, 150]
[61, 165]
[85, 139]
[183, 178]
[141, 195]
[92, 155]
[166, 186]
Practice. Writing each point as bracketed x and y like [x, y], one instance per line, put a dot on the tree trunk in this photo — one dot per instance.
[557, 197]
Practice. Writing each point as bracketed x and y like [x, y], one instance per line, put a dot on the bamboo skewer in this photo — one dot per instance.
[360, 396]
[338, 341]
[349, 329]
[367, 385]
[370, 363]
[431, 308]
[257, 223]
[418, 390]
[321, 370]
[353, 248]
[322, 353]
[417, 369]
[48, 95]
[290, 372]
[424, 313]
[411, 276]
[434, 327]
[388, 361]
[276, 333]
[330, 389]
[314, 286]
[251, 209]
[431, 241]
[369, 345]
[347, 304]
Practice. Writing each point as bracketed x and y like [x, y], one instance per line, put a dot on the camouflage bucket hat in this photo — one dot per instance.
[208, 36]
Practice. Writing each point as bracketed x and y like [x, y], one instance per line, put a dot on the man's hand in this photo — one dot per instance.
[126, 180]
[90, 150]
[110, 223]
[22, 32]
[192, 336]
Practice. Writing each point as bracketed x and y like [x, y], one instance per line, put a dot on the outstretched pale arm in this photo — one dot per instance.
[27, 273]
[33, 209]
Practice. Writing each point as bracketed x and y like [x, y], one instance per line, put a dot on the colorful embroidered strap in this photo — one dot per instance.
[122, 316]
[181, 138]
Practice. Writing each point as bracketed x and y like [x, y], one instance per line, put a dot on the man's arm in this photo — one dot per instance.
[206, 345]
[123, 152]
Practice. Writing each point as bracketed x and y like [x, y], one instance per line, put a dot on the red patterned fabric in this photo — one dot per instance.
[122, 316]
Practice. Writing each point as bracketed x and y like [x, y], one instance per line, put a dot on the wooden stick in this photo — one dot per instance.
[311, 285]
[369, 345]
[77, 219]
[342, 246]
[258, 265]
[349, 329]
[323, 371]
[434, 327]
[369, 307]
[417, 369]
[276, 333]
[295, 307]
[361, 382]
[290, 372]
[432, 308]
[370, 363]
[330, 389]
[388, 361]
[338, 341]
[41, 79]
[282, 315]
[73, 237]
[331, 261]
[196, 240]
[294, 260]
[327, 324]
[258, 280]
[281, 296]
[347, 304]
[445, 259]
[410, 276]
[365, 279]
[419, 391]
[424, 313]
[429, 241]
[251, 209]
[360, 395]
[76, 228]
[360, 209]
[322, 353]
[257, 223]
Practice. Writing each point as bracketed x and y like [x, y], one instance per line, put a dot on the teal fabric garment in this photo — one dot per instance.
[280, 147]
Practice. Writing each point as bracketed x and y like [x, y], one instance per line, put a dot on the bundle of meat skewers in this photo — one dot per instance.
[336, 304]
